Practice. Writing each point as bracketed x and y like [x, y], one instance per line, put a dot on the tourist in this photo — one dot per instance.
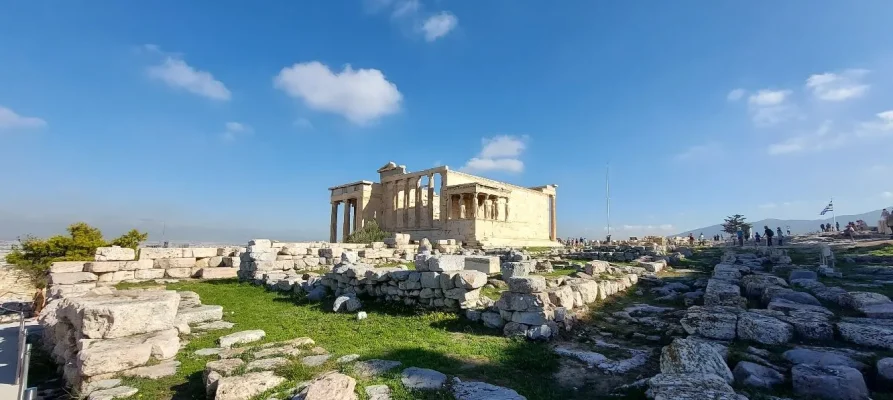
[756, 239]
[850, 231]
[838, 226]
[780, 236]
[701, 239]
[691, 239]
[769, 234]
[740, 237]
[822, 229]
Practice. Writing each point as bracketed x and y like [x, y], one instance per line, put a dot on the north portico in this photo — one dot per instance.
[439, 203]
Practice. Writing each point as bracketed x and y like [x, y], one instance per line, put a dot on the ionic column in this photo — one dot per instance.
[507, 209]
[333, 225]
[417, 186]
[431, 200]
[406, 202]
[553, 231]
[396, 203]
[359, 217]
[346, 225]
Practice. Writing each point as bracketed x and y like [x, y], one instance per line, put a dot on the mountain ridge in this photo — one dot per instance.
[796, 226]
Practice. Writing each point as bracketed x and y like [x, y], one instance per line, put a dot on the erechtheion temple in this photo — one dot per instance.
[477, 211]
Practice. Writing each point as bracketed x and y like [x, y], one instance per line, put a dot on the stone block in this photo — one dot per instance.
[70, 278]
[218, 273]
[200, 252]
[167, 263]
[532, 317]
[430, 280]
[527, 284]
[148, 273]
[65, 290]
[137, 265]
[487, 265]
[204, 313]
[115, 277]
[469, 279]
[516, 268]
[178, 273]
[114, 253]
[446, 263]
[723, 293]
[232, 262]
[98, 267]
[265, 243]
[67, 266]
[121, 314]
[153, 253]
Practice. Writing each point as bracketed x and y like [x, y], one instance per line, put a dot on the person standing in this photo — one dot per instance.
[780, 236]
[691, 239]
[837, 226]
[701, 239]
[740, 237]
[822, 228]
[769, 234]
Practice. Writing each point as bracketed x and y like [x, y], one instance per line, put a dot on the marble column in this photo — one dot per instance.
[406, 202]
[417, 186]
[346, 226]
[396, 209]
[431, 200]
[333, 226]
[507, 209]
[553, 231]
[359, 215]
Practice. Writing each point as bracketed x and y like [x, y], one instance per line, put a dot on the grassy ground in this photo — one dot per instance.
[436, 340]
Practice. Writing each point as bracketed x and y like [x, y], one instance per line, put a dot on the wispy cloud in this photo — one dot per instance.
[770, 107]
[437, 26]
[822, 138]
[736, 94]
[838, 86]
[303, 123]
[499, 153]
[10, 120]
[768, 206]
[412, 16]
[176, 73]
[699, 151]
[233, 130]
[362, 96]
[887, 195]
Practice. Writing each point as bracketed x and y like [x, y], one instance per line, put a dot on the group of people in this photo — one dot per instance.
[887, 217]
[768, 235]
[829, 227]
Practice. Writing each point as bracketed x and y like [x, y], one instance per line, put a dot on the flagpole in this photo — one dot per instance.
[833, 213]
[608, 196]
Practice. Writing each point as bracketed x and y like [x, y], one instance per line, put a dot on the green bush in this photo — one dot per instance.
[371, 232]
[35, 255]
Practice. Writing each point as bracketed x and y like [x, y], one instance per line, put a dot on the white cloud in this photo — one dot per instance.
[768, 206]
[437, 26]
[736, 94]
[881, 126]
[769, 107]
[887, 195]
[699, 151]
[821, 139]
[767, 97]
[838, 86]
[405, 8]
[10, 120]
[362, 96]
[234, 130]
[500, 153]
[177, 74]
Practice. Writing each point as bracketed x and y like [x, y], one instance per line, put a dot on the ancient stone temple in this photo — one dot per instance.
[477, 211]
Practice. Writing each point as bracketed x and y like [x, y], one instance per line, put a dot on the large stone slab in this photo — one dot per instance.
[241, 338]
[723, 293]
[167, 368]
[711, 322]
[218, 273]
[120, 392]
[835, 382]
[527, 284]
[103, 356]
[764, 328]
[246, 386]
[684, 356]
[330, 386]
[67, 267]
[445, 263]
[373, 368]
[874, 335]
[123, 313]
[483, 391]
[486, 264]
[170, 263]
[422, 379]
[690, 387]
[757, 376]
[114, 253]
[204, 313]
[71, 278]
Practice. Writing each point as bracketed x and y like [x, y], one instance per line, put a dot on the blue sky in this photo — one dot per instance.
[234, 117]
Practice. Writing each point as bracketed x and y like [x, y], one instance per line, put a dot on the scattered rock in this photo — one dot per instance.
[347, 358]
[266, 364]
[346, 303]
[361, 316]
[330, 386]
[754, 375]
[373, 368]
[764, 328]
[208, 352]
[690, 387]
[483, 391]
[378, 392]
[246, 386]
[120, 392]
[835, 382]
[422, 379]
[684, 356]
[241, 338]
[213, 326]
[315, 361]
[166, 368]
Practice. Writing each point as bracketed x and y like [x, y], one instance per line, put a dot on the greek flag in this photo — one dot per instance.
[827, 209]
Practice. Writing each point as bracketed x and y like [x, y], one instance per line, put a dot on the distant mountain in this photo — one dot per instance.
[795, 225]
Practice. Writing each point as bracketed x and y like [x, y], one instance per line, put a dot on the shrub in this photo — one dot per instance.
[371, 232]
[34, 255]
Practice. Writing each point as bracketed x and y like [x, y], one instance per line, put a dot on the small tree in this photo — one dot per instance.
[734, 222]
[369, 233]
[34, 255]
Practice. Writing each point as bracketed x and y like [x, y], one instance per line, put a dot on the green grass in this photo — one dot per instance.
[426, 339]
[493, 293]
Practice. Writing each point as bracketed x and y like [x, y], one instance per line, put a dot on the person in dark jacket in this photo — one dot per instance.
[769, 233]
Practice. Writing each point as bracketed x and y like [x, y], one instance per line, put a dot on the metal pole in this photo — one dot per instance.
[24, 383]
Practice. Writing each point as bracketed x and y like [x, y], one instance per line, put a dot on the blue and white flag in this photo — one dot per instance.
[829, 208]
